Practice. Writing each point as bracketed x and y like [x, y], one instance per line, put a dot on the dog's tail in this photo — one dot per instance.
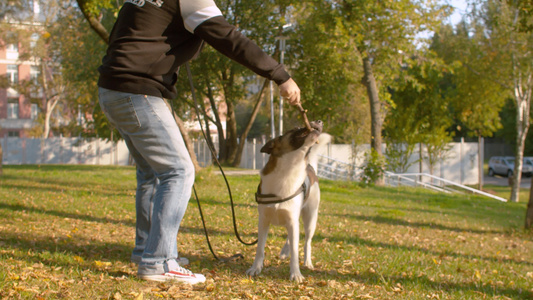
[319, 149]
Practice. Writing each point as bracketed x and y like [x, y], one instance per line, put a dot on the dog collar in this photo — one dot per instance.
[310, 179]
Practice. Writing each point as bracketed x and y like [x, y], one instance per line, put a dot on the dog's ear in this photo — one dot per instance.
[269, 146]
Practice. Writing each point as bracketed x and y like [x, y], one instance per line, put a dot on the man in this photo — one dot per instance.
[148, 43]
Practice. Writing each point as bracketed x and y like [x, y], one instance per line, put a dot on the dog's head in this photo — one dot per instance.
[295, 139]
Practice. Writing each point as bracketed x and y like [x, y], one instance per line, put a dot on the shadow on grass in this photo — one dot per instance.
[434, 285]
[59, 186]
[63, 214]
[362, 242]
[50, 251]
[213, 232]
[400, 222]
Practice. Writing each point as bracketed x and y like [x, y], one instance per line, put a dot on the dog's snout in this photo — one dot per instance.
[317, 125]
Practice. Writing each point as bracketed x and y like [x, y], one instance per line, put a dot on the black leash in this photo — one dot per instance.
[212, 150]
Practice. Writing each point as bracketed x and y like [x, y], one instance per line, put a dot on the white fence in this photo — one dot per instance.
[460, 164]
[19, 151]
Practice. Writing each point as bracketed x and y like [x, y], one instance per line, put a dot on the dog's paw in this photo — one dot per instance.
[253, 271]
[309, 265]
[298, 277]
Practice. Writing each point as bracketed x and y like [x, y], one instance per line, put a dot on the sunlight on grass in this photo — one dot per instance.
[68, 232]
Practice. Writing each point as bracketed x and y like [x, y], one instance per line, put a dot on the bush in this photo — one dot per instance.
[374, 168]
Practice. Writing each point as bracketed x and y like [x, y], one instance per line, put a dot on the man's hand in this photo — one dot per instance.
[290, 91]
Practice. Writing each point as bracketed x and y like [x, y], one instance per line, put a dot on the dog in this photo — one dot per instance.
[289, 189]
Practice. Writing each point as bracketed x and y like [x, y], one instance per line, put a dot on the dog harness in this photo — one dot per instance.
[310, 179]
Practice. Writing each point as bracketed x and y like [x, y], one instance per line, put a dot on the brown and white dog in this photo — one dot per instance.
[289, 189]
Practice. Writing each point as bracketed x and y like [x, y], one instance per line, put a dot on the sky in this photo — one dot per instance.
[460, 9]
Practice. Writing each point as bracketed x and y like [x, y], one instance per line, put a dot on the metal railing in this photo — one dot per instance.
[333, 169]
[432, 182]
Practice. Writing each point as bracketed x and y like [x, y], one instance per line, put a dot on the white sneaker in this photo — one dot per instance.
[173, 272]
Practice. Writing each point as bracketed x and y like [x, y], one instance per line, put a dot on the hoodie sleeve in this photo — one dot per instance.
[203, 18]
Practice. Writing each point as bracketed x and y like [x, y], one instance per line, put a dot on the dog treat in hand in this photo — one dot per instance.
[303, 112]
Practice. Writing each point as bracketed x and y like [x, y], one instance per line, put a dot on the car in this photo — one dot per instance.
[504, 165]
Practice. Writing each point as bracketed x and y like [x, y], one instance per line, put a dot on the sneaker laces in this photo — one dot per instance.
[183, 270]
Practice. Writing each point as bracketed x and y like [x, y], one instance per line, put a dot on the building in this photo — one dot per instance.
[17, 113]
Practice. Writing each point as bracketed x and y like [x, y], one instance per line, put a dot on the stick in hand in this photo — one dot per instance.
[303, 112]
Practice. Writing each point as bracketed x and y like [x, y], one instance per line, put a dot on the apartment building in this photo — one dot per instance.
[17, 113]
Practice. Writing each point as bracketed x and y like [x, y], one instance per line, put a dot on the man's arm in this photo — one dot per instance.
[226, 39]
[203, 18]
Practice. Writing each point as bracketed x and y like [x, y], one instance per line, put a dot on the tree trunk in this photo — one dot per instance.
[519, 156]
[93, 22]
[529, 212]
[1, 160]
[375, 105]
[50, 105]
[523, 103]
[231, 133]
[218, 123]
[237, 161]
[480, 148]
[375, 109]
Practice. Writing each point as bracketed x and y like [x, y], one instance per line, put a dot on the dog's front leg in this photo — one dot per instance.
[262, 233]
[293, 232]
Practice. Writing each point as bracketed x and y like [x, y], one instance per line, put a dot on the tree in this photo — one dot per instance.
[32, 33]
[525, 9]
[384, 33]
[383, 36]
[217, 78]
[330, 90]
[420, 113]
[475, 101]
[507, 48]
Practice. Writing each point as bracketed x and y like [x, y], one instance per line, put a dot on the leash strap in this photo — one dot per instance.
[274, 199]
[211, 148]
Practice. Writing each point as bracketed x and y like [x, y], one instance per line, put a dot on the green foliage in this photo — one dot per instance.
[398, 155]
[328, 72]
[420, 114]
[474, 98]
[374, 168]
[260, 126]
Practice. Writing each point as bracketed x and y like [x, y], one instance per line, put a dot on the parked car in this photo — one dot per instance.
[504, 165]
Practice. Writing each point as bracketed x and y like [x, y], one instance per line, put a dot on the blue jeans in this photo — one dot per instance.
[165, 173]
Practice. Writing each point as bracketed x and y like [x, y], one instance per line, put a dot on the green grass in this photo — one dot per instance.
[66, 232]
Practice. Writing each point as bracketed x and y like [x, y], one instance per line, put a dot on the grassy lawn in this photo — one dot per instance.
[66, 232]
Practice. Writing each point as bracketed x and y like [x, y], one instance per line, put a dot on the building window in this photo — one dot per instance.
[33, 40]
[34, 74]
[12, 48]
[12, 51]
[34, 111]
[12, 108]
[13, 134]
[13, 73]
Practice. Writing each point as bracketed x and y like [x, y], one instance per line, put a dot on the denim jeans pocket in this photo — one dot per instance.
[121, 113]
